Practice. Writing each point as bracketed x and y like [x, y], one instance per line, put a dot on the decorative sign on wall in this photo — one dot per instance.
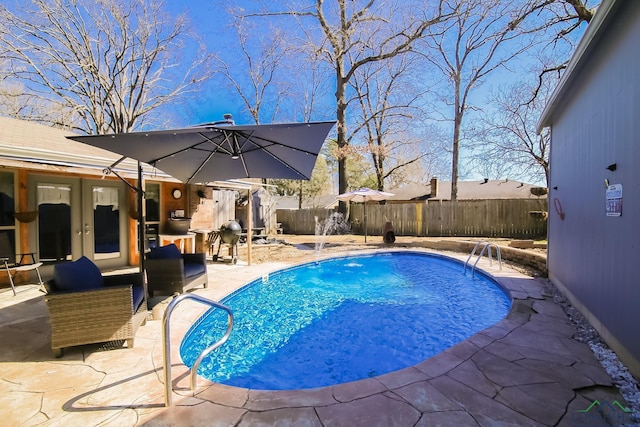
[614, 200]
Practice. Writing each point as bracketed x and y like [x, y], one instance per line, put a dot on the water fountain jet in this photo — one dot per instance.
[333, 224]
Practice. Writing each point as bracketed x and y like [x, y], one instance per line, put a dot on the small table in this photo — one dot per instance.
[180, 238]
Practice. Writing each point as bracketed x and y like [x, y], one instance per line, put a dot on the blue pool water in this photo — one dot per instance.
[344, 319]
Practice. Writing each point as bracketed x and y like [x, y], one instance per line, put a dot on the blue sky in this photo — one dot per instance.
[209, 21]
[209, 18]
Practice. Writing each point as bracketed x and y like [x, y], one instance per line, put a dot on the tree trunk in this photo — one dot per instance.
[343, 182]
[457, 122]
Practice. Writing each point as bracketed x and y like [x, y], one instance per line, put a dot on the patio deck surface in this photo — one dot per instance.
[525, 370]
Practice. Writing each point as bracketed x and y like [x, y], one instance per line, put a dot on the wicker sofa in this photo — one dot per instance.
[169, 271]
[93, 309]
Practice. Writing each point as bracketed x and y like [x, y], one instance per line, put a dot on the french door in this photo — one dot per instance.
[79, 217]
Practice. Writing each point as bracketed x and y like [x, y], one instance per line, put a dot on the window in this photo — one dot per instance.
[7, 199]
[152, 201]
[152, 206]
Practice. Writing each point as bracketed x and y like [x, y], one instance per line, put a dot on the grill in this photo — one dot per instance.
[228, 234]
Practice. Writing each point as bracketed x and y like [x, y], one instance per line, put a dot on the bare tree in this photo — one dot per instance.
[509, 144]
[509, 137]
[561, 18]
[387, 105]
[480, 39]
[356, 33]
[265, 70]
[353, 31]
[251, 70]
[16, 103]
[109, 63]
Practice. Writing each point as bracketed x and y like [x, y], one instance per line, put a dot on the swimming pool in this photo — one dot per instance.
[344, 319]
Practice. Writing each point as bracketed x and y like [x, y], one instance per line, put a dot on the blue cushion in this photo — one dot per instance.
[138, 297]
[170, 251]
[79, 275]
[191, 270]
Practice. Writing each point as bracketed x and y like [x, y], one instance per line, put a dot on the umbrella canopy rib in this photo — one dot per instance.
[217, 153]
[219, 145]
[199, 168]
[250, 139]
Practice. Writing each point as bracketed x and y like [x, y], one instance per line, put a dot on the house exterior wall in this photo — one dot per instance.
[591, 256]
[214, 210]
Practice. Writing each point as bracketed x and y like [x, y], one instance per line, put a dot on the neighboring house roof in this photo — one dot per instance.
[468, 190]
[594, 32]
[286, 202]
[411, 191]
[25, 144]
[328, 201]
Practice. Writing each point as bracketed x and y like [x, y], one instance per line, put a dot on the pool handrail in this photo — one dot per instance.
[166, 340]
[486, 247]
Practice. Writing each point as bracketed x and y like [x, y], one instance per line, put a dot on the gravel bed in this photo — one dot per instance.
[622, 378]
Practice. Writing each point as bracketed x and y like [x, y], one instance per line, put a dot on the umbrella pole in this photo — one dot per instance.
[249, 225]
[139, 190]
[141, 230]
[365, 221]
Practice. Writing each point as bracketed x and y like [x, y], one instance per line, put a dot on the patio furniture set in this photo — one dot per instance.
[87, 307]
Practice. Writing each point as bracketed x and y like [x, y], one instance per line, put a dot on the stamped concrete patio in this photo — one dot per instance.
[525, 370]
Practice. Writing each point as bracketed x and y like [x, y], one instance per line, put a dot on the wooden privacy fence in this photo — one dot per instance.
[509, 218]
[301, 221]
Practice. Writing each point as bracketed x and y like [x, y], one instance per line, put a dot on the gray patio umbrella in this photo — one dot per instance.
[363, 195]
[220, 151]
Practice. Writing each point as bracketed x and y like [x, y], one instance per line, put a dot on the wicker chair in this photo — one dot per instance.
[169, 271]
[95, 315]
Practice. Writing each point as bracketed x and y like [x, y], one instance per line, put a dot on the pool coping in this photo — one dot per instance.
[466, 270]
[420, 392]
[525, 370]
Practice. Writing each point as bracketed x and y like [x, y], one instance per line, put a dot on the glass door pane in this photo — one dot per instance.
[106, 222]
[7, 199]
[54, 222]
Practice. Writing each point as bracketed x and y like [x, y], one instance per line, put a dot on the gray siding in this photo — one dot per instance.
[595, 257]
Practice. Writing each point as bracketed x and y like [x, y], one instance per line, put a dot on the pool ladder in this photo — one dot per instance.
[486, 246]
[166, 340]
